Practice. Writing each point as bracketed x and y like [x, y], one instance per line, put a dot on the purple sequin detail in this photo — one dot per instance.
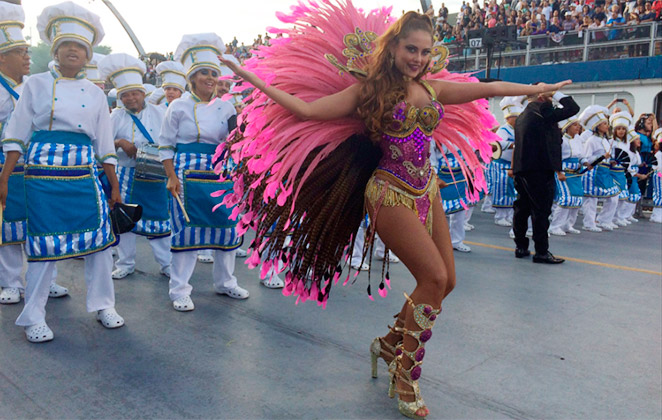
[414, 148]
[415, 373]
[398, 352]
[433, 317]
[425, 335]
[427, 310]
[420, 354]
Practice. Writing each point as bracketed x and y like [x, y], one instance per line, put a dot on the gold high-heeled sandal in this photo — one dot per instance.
[380, 348]
[424, 316]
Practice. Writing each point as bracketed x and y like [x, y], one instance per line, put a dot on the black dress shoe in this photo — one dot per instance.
[521, 253]
[547, 259]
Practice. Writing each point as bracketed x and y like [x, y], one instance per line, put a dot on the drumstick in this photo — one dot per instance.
[181, 206]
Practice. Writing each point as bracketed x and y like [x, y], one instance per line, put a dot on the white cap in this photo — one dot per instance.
[92, 72]
[172, 75]
[657, 135]
[631, 134]
[620, 119]
[11, 26]
[592, 116]
[124, 71]
[511, 106]
[156, 96]
[199, 51]
[225, 71]
[149, 88]
[563, 125]
[69, 22]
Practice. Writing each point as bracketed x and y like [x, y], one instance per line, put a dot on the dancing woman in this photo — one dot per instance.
[399, 110]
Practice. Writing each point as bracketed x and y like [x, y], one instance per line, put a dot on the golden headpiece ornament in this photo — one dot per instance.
[360, 46]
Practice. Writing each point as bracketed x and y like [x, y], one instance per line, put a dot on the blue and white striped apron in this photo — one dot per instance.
[454, 196]
[570, 193]
[598, 182]
[503, 186]
[634, 192]
[14, 216]
[620, 181]
[67, 211]
[154, 198]
[657, 189]
[207, 229]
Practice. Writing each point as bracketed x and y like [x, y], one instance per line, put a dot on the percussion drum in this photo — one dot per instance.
[148, 164]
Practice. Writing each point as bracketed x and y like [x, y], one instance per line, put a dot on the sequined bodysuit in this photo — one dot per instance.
[403, 176]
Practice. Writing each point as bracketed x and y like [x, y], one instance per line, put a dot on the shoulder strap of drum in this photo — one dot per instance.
[141, 127]
[6, 85]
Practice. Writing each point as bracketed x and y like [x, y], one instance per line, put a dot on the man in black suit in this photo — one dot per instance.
[536, 157]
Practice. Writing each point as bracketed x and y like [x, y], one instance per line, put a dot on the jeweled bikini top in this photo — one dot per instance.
[406, 143]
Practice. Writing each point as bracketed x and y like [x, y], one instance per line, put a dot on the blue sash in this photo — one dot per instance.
[603, 178]
[198, 187]
[141, 127]
[61, 137]
[203, 148]
[153, 196]
[5, 84]
[16, 210]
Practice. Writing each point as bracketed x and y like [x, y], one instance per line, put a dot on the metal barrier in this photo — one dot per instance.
[605, 43]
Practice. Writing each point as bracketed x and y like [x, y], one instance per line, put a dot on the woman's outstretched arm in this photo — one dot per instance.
[458, 93]
[338, 105]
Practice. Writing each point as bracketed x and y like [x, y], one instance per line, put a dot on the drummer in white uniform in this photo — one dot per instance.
[173, 81]
[569, 189]
[137, 126]
[92, 73]
[14, 65]
[192, 130]
[62, 126]
[503, 187]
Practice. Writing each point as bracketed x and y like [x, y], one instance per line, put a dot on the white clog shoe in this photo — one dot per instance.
[592, 229]
[165, 271]
[109, 318]
[573, 231]
[235, 292]
[469, 227]
[10, 295]
[205, 258]
[362, 267]
[503, 222]
[57, 291]
[183, 304]
[241, 253]
[461, 247]
[120, 273]
[274, 282]
[557, 232]
[38, 333]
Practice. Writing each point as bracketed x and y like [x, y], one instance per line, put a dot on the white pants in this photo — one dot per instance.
[625, 210]
[504, 214]
[572, 218]
[11, 266]
[469, 212]
[456, 226]
[357, 252]
[589, 208]
[100, 288]
[126, 251]
[183, 264]
[657, 215]
[487, 203]
[609, 207]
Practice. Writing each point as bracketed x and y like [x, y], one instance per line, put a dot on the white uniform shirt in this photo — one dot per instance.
[585, 135]
[573, 148]
[635, 162]
[658, 167]
[124, 128]
[596, 146]
[7, 102]
[507, 134]
[62, 104]
[189, 121]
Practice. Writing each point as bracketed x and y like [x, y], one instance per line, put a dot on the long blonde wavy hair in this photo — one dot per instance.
[384, 85]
